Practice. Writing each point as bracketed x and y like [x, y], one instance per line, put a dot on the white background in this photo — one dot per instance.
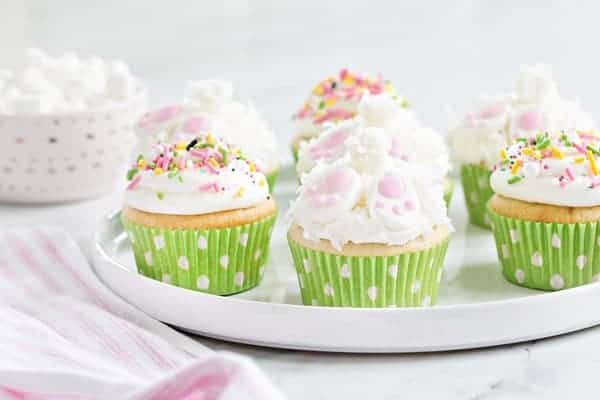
[439, 54]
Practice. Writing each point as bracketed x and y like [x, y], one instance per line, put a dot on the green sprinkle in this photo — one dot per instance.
[180, 179]
[160, 195]
[131, 173]
[172, 174]
[224, 155]
[404, 103]
[523, 140]
[140, 158]
[543, 144]
[322, 104]
[514, 179]
[593, 150]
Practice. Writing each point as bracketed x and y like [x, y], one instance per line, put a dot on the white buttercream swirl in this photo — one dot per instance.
[396, 132]
[213, 103]
[368, 197]
[190, 185]
[564, 173]
[535, 106]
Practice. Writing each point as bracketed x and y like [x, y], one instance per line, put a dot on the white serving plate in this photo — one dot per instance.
[476, 306]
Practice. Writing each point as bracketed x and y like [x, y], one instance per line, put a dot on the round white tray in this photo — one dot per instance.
[476, 306]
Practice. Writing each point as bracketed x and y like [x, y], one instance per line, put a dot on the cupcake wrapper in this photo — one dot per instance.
[547, 256]
[448, 191]
[476, 186]
[217, 261]
[272, 178]
[405, 280]
[294, 149]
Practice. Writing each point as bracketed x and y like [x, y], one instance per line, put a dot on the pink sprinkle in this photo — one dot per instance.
[194, 124]
[563, 183]
[595, 183]
[579, 148]
[182, 161]
[569, 174]
[390, 187]
[134, 182]
[165, 163]
[409, 205]
[397, 210]
[209, 187]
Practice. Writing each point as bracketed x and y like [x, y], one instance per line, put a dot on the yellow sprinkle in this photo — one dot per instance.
[210, 139]
[537, 155]
[528, 151]
[141, 163]
[318, 90]
[240, 192]
[251, 166]
[329, 101]
[348, 79]
[213, 163]
[180, 146]
[515, 168]
[556, 153]
[157, 171]
[593, 166]
[262, 183]
[503, 154]
[579, 159]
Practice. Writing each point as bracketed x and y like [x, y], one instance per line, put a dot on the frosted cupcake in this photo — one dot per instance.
[476, 139]
[210, 106]
[199, 215]
[368, 231]
[406, 140]
[336, 99]
[546, 209]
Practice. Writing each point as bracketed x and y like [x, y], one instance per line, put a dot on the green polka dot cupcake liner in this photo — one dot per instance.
[216, 261]
[475, 181]
[547, 256]
[448, 191]
[272, 178]
[405, 280]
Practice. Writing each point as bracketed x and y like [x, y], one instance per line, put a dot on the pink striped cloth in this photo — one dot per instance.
[63, 335]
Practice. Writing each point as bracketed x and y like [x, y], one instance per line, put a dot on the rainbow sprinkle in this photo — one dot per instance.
[324, 104]
[567, 157]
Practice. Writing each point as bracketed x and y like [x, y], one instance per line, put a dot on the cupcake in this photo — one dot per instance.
[209, 106]
[369, 231]
[546, 210]
[336, 99]
[476, 139]
[406, 140]
[199, 215]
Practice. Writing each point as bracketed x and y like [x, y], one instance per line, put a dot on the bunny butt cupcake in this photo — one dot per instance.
[368, 231]
[405, 139]
[546, 210]
[536, 106]
[336, 99]
[210, 106]
[199, 215]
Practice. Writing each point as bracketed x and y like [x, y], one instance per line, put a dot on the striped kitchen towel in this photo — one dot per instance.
[63, 335]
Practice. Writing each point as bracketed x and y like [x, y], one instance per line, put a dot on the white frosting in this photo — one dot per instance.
[63, 84]
[194, 188]
[535, 106]
[213, 102]
[339, 97]
[396, 132]
[567, 181]
[368, 197]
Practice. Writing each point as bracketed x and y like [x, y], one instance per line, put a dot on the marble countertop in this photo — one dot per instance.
[551, 368]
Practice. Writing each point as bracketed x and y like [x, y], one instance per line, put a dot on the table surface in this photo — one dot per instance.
[550, 368]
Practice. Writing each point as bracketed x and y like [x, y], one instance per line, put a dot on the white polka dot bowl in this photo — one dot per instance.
[476, 306]
[66, 157]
